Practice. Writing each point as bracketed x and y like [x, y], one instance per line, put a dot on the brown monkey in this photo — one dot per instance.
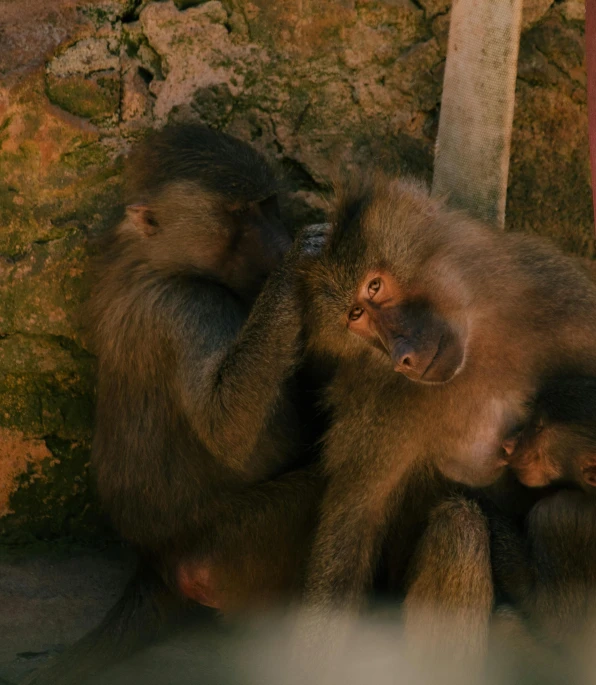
[443, 329]
[558, 442]
[195, 427]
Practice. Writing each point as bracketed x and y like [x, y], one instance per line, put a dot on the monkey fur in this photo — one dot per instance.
[443, 329]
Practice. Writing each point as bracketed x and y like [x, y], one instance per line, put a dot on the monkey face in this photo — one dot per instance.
[541, 454]
[529, 460]
[256, 245]
[422, 345]
[189, 229]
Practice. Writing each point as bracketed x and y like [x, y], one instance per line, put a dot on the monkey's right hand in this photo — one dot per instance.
[310, 241]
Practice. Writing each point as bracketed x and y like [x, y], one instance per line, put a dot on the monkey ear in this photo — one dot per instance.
[589, 469]
[143, 219]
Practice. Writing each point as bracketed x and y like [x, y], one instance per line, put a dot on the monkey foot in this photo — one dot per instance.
[196, 581]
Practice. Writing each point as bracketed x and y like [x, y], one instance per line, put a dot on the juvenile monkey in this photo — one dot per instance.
[547, 565]
[442, 329]
[558, 442]
[195, 425]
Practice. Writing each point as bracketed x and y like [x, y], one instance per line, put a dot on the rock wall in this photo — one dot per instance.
[310, 82]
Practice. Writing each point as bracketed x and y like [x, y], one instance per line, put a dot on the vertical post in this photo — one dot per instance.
[591, 69]
[473, 143]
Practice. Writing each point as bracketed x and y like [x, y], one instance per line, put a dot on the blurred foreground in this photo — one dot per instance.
[49, 601]
[262, 651]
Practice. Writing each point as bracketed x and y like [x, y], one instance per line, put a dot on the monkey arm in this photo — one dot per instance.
[341, 567]
[231, 375]
[354, 517]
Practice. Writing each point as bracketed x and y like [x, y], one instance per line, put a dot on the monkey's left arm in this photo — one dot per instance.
[233, 378]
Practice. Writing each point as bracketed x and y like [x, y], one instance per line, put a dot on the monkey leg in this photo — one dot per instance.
[259, 541]
[561, 532]
[449, 594]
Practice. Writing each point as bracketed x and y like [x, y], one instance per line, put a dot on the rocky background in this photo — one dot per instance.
[309, 82]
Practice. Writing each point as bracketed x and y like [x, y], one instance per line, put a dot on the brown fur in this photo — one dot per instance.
[547, 567]
[194, 416]
[197, 433]
[522, 310]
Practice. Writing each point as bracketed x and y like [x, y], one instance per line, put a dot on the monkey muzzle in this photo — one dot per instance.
[422, 345]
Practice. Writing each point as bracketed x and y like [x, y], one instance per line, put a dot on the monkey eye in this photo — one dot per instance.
[355, 313]
[374, 287]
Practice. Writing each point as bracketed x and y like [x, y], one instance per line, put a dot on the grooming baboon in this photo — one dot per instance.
[442, 329]
[195, 426]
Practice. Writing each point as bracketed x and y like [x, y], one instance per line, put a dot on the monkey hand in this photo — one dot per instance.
[310, 241]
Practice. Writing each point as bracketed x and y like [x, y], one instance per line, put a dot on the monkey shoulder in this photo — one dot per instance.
[558, 282]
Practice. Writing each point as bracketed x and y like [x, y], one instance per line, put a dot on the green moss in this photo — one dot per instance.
[57, 499]
[93, 97]
[83, 155]
[46, 387]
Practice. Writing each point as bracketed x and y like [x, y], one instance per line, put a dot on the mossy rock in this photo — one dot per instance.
[94, 97]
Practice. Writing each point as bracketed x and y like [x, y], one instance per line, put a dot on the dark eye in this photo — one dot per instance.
[373, 287]
[355, 313]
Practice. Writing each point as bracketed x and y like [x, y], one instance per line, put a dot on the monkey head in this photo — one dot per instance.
[421, 344]
[203, 202]
[186, 229]
[391, 281]
[543, 453]
[558, 441]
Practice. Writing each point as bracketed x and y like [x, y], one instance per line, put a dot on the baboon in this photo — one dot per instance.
[201, 456]
[442, 329]
[195, 424]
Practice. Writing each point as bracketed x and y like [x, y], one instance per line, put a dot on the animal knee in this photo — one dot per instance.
[462, 523]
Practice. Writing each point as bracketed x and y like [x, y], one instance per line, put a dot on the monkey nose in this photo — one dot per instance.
[404, 356]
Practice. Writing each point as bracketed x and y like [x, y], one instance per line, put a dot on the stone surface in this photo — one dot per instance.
[50, 600]
[311, 84]
[533, 11]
